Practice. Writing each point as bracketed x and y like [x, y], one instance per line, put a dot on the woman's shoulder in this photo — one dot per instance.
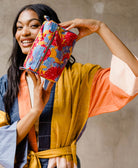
[3, 79]
[79, 70]
[84, 68]
[3, 84]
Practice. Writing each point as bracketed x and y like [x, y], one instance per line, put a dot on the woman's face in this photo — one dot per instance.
[28, 26]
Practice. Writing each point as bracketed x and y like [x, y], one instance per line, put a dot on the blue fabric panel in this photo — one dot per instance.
[8, 145]
[45, 121]
[3, 86]
[45, 125]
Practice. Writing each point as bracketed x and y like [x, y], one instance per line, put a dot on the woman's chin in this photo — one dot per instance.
[26, 50]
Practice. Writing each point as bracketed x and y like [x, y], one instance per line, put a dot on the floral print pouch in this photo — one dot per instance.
[50, 51]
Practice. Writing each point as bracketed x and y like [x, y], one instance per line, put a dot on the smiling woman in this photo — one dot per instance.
[27, 29]
[45, 120]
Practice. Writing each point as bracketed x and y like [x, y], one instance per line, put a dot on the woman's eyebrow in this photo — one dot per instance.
[29, 20]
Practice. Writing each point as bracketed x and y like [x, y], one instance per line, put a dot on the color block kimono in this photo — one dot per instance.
[82, 91]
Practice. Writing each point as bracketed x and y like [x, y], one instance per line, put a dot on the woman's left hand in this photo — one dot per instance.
[84, 26]
[116, 46]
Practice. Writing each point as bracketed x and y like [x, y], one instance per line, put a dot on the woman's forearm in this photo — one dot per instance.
[118, 48]
[41, 97]
[89, 26]
[26, 123]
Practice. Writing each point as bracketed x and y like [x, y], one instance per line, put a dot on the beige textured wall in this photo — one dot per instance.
[110, 140]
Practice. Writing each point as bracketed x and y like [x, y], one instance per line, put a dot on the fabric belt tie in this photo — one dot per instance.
[51, 153]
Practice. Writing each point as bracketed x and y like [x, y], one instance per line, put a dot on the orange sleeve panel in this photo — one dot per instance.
[105, 96]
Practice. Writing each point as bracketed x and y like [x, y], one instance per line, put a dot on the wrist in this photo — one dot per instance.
[35, 111]
[102, 26]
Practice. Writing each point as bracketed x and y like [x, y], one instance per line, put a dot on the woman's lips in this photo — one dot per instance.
[27, 43]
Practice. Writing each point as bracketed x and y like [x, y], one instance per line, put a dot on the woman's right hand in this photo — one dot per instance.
[41, 96]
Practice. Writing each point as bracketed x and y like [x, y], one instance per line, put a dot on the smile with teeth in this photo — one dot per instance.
[27, 43]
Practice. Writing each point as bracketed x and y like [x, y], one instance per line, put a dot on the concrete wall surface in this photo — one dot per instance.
[110, 140]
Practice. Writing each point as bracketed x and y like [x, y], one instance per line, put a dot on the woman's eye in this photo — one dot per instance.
[19, 27]
[35, 26]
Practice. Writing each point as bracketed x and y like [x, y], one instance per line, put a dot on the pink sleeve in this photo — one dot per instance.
[112, 88]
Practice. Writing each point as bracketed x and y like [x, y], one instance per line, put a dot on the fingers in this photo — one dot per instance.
[61, 162]
[42, 84]
[37, 81]
[32, 75]
[49, 86]
[35, 77]
[52, 163]
[91, 24]
[68, 25]
[70, 164]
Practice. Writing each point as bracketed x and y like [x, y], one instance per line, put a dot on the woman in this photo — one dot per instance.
[51, 118]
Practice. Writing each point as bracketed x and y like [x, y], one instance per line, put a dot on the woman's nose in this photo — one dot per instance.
[26, 31]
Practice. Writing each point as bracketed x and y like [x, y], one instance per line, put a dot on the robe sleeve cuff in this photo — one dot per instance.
[122, 76]
[8, 137]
